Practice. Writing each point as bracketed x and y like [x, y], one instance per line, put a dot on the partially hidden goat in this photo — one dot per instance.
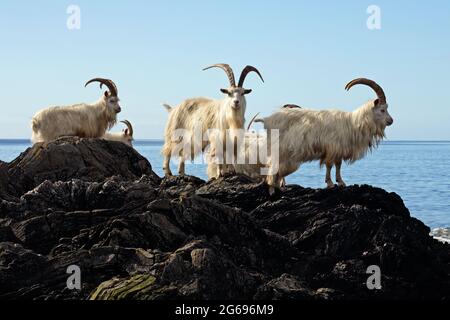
[126, 136]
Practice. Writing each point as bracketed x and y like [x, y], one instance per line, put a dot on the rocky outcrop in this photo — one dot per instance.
[85, 159]
[99, 206]
[3, 178]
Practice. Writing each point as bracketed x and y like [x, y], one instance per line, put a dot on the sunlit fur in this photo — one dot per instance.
[247, 152]
[224, 114]
[82, 120]
[250, 170]
[331, 136]
[123, 137]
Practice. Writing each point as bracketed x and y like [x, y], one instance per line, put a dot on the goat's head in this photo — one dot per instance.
[236, 93]
[111, 97]
[381, 115]
[128, 133]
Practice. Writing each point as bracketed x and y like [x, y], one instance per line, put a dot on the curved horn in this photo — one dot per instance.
[291, 106]
[109, 83]
[378, 90]
[251, 122]
[244, 74]
[130, 127]
[225, 67]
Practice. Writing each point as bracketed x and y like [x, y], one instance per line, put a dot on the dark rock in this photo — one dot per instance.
[97, 205]
[285, 287]
[236, 191]
[4, 181]
[175, 186]
[3, 177]
[72, 158]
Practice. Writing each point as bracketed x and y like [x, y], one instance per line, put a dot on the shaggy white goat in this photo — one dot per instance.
[202, 114]
[126, 136]
[252, 166]
[331, 136]
[255, 161]
[82, 120]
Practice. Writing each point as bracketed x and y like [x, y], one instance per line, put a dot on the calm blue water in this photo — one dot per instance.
[418, 171]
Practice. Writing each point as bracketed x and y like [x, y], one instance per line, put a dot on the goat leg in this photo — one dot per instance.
[339, 180]
[328, 181]
[166, 166]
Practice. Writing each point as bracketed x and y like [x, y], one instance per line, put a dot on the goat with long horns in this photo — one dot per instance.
[82, 120]
[330, 136]
[199, 115]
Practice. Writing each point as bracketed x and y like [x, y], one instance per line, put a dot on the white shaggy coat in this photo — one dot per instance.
[330, 136]
[82, 120]
[211, 114]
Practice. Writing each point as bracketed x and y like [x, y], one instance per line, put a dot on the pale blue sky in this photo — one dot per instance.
[155, 51]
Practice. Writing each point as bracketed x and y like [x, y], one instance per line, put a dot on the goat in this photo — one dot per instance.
[126, 136]
[331, 136]
[202, 114]
[251, 142]
[82, 120]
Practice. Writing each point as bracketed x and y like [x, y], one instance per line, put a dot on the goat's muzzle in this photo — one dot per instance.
[390, 122]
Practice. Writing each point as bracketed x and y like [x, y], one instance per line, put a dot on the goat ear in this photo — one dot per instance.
[225, 91]
[247, 91]
[376, 102]
[126, 132]
[106, 94]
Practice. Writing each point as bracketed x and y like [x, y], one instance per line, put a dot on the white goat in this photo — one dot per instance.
[331, 136]
[204, 114]
[82, 120]
[126, 136]
[253, 144]
[252, 166]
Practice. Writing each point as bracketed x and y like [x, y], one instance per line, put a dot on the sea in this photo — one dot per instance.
[419, 171]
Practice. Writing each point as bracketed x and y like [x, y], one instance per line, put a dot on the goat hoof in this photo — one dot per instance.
[272, 191]
[342, 185]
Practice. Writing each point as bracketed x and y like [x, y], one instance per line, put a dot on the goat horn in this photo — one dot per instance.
[244, 74]
[225, 67]
[291, 106]
[130, 127]
[378, 90]
[109, 83]
[251, 122]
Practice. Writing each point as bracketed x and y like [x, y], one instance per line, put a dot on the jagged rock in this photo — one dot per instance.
[175, 186]
[97, 205]
[286, 287]
[236, 191]
[73, 158]
[3, 179]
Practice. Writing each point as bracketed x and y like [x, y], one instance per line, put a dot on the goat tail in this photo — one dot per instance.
[168, 107]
